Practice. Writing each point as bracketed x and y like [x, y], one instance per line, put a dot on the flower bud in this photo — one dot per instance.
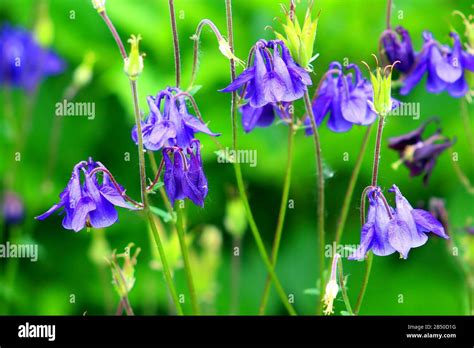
[99, 5]
[83, 73]
[123, 278]
[300, 41]
[235, 220]
[382, 88]
[224, 47]
[44, 29]
[133, 64]
[332, 288]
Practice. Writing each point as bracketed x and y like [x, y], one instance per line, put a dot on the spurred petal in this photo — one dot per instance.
[425, 222]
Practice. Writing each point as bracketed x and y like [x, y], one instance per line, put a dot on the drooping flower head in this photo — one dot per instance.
[387, 230]
[12, 208]
[169, 122]
[274, 77]
[345, 98]
[184, 175]
[397, 46]
[444, 66]
[91, 202]
[23, 62]
[418, 153]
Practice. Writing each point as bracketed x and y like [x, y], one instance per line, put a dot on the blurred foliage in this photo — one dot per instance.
[429, 280]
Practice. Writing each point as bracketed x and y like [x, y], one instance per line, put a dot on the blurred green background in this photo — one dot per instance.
[429, 279]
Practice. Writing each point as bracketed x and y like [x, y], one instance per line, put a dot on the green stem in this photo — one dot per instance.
[141, 159]
[238, 173]
[281, 216]
[345, 297]
[174, 29]
[184, 251]
[467, 124]
[341, 222]
[375, 169]
[320, 175]
[368, 268]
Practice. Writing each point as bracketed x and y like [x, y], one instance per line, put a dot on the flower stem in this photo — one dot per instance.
[141, 159]
[375, 169]
[368, 268]
[177, 57]
[345, 297]
[389, 13]
[114, 33]
[281, 216]
[184, 251]
[378, 143]
[320, 175]
[341, 222]
[238, 174]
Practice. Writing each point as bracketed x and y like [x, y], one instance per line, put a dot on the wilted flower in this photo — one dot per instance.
[346, 98]
[123, 278]
[184, 175]
[399, 48]
[174, 126]
[23, 62]
[91, 203]
[419, 154]
[272, 78]
[443, 65]
[12, 208]
[388, 230]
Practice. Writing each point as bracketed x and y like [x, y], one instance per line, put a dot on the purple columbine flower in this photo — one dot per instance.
[274, 76]
[169, 122]
[184, 175]
[443, 65]
[398, 47]
[417, 153]
[90, 203]
[264, 116]
[23, 62]
[388, 230]
[13, 209]
[345, 98]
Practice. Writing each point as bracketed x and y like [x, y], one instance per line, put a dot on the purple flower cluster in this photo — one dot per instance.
[91, 203]
[23, 62]
[184, 176]
[388, 230]
[417, 153]
[169, 122]
[273, 78]
[444, 65]
[345, 98]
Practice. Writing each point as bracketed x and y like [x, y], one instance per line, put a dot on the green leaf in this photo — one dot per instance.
[157, 186]
[164, 215]
[194, 89]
